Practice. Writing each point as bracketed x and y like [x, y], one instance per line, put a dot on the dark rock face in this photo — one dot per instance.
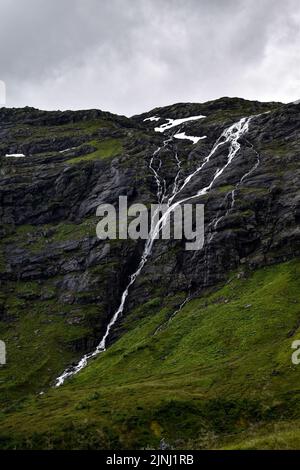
[77, 160]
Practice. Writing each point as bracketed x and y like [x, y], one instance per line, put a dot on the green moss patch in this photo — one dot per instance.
[105, 149]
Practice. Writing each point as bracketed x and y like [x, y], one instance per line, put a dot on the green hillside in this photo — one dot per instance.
[219, 375]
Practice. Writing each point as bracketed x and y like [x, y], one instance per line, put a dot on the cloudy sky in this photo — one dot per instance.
[128, 56]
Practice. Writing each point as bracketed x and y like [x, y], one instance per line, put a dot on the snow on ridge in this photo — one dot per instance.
[153, 118]
[194, 139]
[177, 122]
[15, 155]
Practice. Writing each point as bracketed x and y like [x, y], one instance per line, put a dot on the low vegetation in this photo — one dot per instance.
[221, 369]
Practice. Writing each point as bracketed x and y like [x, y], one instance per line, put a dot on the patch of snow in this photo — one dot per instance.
[195, 140]
[67, 150]
[153, 118]
[296, 102]
[176, 122]
[15, 155]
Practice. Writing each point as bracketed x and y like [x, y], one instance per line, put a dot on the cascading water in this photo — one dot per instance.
[232, 194]
[171, 317]
[229, 136]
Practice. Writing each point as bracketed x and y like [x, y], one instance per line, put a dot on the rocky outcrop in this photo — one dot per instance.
[75, 161]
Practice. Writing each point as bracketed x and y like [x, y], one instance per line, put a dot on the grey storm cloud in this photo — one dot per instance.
[128, 56]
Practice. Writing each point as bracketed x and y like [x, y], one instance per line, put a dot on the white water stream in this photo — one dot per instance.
[232, 194]
[231, 137]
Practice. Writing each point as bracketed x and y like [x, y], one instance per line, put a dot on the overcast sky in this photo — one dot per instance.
[128, 56]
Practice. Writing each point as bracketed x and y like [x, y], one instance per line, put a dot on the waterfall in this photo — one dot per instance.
[230, 136]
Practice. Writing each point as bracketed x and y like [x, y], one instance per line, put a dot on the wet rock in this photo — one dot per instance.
[45, 202]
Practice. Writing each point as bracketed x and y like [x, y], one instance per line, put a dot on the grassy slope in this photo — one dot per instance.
[219, 375]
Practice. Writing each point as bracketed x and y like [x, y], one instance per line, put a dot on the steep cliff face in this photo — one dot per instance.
[60, 285]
